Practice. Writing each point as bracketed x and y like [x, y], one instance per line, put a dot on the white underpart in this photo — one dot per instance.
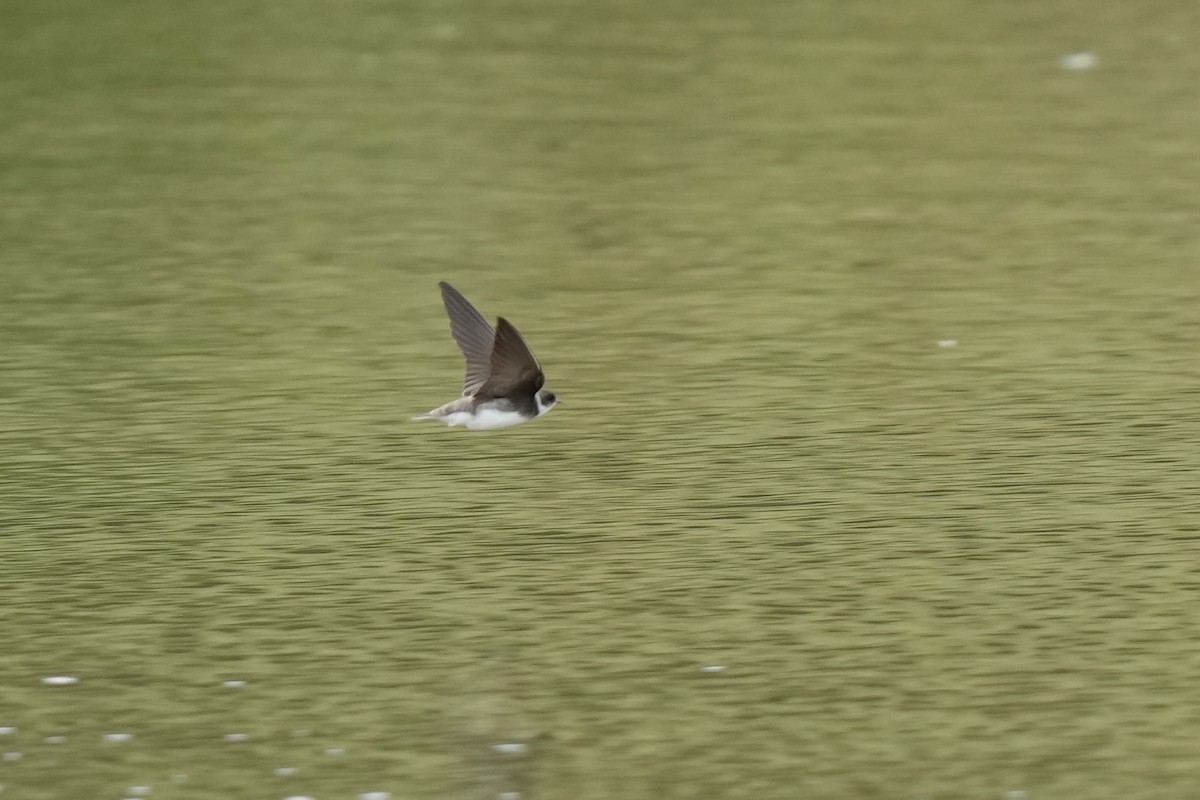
[485, 418]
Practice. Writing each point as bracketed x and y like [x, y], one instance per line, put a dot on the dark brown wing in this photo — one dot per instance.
[514, 370]
[473, 335]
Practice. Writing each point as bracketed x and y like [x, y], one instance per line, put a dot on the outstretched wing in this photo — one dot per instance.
[514, 369]
[473, 335]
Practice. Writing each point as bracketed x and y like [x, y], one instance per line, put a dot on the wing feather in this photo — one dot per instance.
[473, 335]
[514, 369]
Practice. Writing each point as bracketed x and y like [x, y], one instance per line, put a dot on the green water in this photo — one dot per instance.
[875, 330]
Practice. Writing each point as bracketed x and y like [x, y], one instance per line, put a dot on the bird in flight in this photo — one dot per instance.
[504, 380]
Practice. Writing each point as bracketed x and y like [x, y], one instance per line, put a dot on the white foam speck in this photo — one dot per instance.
[118, 737]
[6, 730]
[285, 772]
[510, 747]
[335, 751]
[60, 680]
[299, 797]
[509, 796]
[233, 684]
[947, 342]
[54, 739]
[299, 733]
[1078, 62]
[237, 737]
[714, 668]
[13, 756]
[139, 791]
[375, 796]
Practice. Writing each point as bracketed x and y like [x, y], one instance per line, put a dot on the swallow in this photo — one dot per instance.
[504, 380]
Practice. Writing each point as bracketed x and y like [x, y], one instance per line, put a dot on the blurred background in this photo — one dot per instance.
[876, 329]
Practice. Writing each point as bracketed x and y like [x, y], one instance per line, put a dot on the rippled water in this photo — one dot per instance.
[876, 470]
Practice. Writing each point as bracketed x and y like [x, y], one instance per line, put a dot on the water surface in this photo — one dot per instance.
[875, 475]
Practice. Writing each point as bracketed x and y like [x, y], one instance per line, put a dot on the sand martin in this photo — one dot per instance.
[504, 381]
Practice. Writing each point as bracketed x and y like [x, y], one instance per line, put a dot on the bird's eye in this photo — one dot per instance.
[549, 398]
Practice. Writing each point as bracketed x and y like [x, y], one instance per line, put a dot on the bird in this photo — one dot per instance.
[504, 381]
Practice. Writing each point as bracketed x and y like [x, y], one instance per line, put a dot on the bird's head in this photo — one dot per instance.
[546, 400]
